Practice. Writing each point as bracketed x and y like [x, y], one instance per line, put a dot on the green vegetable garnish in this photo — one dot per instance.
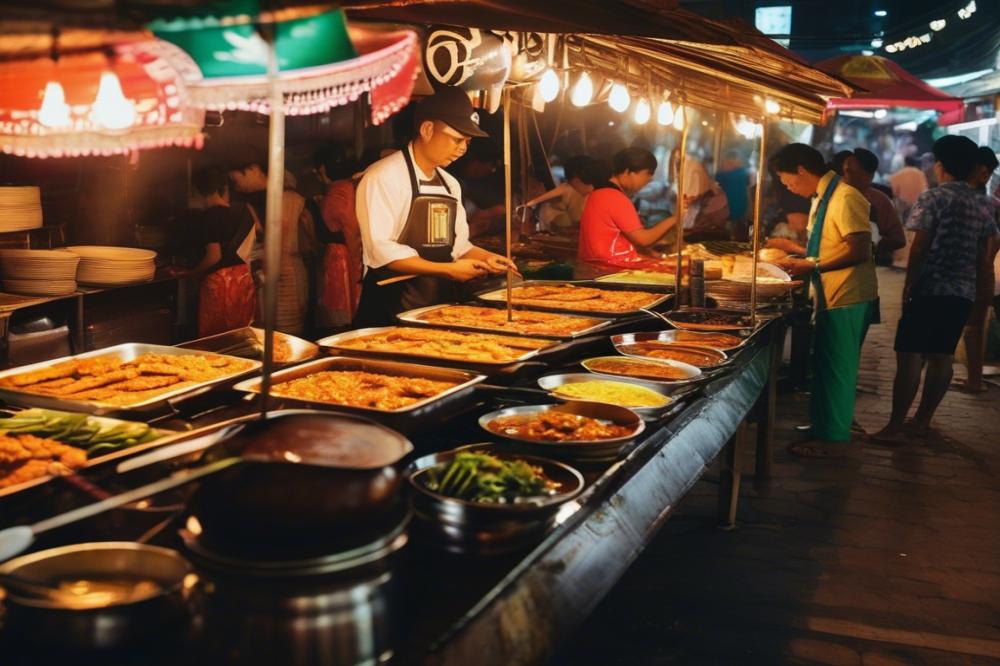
[480, 477]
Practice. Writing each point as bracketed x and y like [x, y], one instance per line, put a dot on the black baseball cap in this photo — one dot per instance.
[451, 106]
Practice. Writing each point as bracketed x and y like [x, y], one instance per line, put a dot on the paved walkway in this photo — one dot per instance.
[887, 557]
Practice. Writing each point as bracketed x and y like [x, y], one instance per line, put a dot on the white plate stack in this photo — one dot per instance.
[111, 266]
[39, 272]
[20, 209]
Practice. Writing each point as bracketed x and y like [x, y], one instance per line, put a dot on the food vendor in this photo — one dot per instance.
[412, 220]
[611, 233]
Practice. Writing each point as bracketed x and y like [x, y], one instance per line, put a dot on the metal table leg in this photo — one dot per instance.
[765, 408]
[731, 462]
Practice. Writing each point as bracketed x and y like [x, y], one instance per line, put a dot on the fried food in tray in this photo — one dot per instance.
[361, 389]
[555, 426]
[525, 322]
[613, 393]
[26, 457]
[699, 358]
[111, 380]
[589, 299]
[452, 345]
[709, 320]
[626, 367]
[720, 341]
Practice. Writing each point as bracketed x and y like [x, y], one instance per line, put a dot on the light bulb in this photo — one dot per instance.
[665, 114]
[583, 91]
[111, 109]
[679, 118]
[619, 99]
[54, 111]
[642, 112]
[771, 106]
[881, 113]
[549, 85]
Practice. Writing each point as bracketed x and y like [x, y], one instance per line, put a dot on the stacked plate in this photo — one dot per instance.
[39, 272]
[110, 266]
[20, 209]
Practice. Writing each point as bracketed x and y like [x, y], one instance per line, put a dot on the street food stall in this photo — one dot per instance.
[463, 486]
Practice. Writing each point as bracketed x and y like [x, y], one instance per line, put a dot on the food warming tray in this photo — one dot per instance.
[674, 392]
[413, 317]
[335, 341]
[671, 337]
[425, 408]
[500, 296]
[126, 351]
[248, 342]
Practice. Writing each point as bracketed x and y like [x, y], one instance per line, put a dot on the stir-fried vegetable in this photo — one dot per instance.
[480, 477]
[79, 430]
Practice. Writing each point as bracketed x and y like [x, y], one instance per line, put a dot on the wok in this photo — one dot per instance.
[304, 477]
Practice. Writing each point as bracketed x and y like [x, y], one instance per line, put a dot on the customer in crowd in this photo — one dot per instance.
[228, 296]
[563, 204]
[907, 184]
[953, 226]
[858, 168]
[839, 263]
[481, 175]
[706, 208]
[248, 172]
[611, 232]
[734, 179]
[974, 336]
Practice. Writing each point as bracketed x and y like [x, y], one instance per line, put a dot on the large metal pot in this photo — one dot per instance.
[305, 478]
[61, 625]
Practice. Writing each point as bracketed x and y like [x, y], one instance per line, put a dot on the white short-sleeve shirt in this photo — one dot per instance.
[383, 204]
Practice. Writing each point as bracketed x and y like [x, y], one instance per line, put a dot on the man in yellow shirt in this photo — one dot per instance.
[838, 261]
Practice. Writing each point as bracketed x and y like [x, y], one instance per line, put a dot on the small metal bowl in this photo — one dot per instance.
[490, 528]
[54, 625]
[692, 373]
[552, 382]
[597, 450]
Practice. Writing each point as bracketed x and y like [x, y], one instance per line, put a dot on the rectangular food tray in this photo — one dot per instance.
[413, 317]
[423, 408]
[126, 351]
[500, 296]
[335, 342]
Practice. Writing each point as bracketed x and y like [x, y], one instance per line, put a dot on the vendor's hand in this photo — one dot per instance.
[464, 270]
[786, 244]
[498, 264]
[796, 267]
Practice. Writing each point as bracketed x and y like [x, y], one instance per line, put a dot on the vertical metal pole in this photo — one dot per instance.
[507, 196]
[758, 198]
[272, 224]
[679, 276]
[722, 121]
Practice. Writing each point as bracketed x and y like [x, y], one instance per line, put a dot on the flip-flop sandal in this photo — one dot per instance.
[894, 439]
[962, 387]
[827, 451]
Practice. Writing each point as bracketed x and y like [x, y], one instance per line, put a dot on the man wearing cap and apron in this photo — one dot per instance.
[412, 220]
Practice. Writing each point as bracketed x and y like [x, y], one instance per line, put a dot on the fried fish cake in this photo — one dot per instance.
[58, 371]
[145, 383]
[96, 381]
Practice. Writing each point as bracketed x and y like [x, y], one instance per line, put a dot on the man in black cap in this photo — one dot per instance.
[412, 220]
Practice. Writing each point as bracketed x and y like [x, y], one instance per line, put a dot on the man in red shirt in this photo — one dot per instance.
[610, 229]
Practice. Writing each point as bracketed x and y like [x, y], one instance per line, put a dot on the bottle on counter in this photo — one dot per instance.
[697, 283]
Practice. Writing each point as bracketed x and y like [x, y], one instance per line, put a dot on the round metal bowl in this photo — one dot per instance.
[692, 373]
[552, 382]
[62, 626]
[622, 345]
[598, 450]
[463, 525]
[680, 336]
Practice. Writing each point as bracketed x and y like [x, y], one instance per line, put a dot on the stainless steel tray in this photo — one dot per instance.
[668, 337]
[249, 343]
[552, 382]
[500, 296]
[413, 317]
[671, 336]
[334, 342]
[694, 373]
[126, 351]
[420, 409]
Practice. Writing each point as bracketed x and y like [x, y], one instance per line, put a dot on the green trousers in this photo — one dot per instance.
[836, 356]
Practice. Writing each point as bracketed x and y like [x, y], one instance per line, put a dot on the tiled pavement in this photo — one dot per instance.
[887, 557]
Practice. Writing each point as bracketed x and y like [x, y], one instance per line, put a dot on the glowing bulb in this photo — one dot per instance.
[583, 91]
[619, 99]
[642, 112]
[881, 113]
[771, 106]
[54, 111]
[679, 118]
[549, 85]
[110, 108]
[665, 114]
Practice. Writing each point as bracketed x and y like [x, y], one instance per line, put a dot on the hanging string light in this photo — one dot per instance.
[549, 85]
[111, 109]
[642, 111]
[619, 99]
[665, 113]
[771, 107]
[679, 118]
[583, 91]
[54, 112]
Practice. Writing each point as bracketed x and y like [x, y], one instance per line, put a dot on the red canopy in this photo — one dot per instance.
[884, 84]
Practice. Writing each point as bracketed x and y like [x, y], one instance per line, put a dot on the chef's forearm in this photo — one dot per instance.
[419, 266]
[479, 254]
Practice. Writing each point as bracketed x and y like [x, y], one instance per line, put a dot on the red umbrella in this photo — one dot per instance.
[884, 84]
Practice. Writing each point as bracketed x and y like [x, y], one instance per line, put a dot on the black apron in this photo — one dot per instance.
[430, 230]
